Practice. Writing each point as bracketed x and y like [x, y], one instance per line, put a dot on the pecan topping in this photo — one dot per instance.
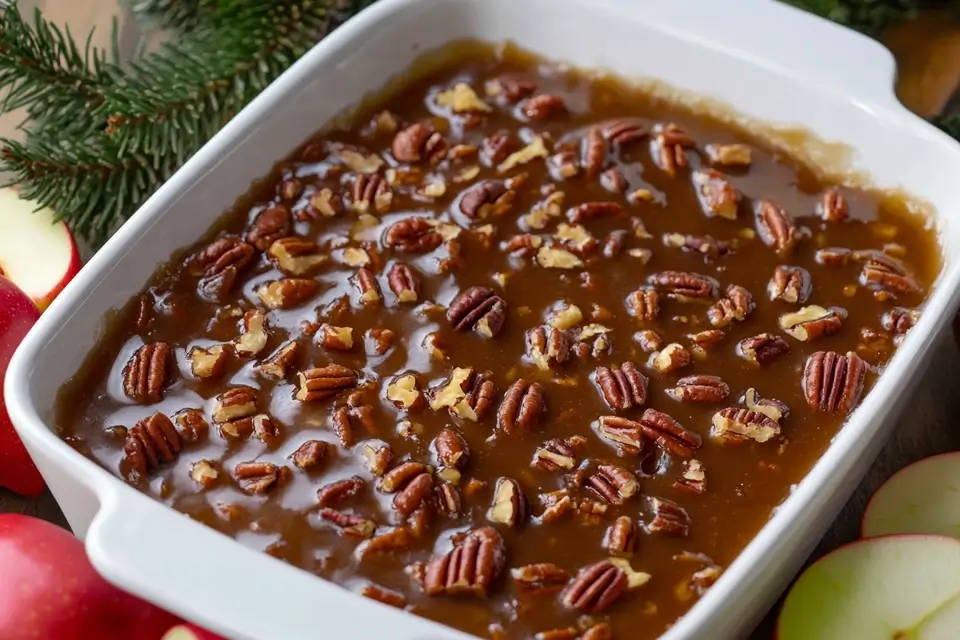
[668, 434]
[480, 309]
[522, 408]
[614, 180]
[717, 196]
[591, 210]
[833, 207]
[254, 336]
[668, 518]
[544, 107]
[368, 285]
[325, 382]
[899, 320]
[349, 524]
[540, 579]
[614, 484]
[257, 478]
[669, 144]
[557, 454]
[378, 455]
[192, 425]
[340, 491]
[400, 475]
[775, 227]
[621, 537]
[498, 147]
[296, 256]
[685, 286]
[772, 408]
[671, 358]
[269, 225]
[644, 304]
[403, 282]
[221, 262]
[152, 442]
[370, 189]
[708, 247]
[599, 585]
[386, 596]
[238, 402]
[509, 504]
[488, 198]
[277, 366]
[448, 500]
[511, 87]
[470, 568]
[812, 322]
[708, 389]
[762, 349]
[832, 383]
[738, 424]
[736, 304]
[626, 434]
[622, 387]
[730, 155]
[146, 373]
[419, 142]
[623, 132]
[833, 257]
[790, 284]
[548, 346]
[396, 539]
[451, 449]
[413, 235]
[287, 293]
[523, 245]
[480, 396]
[266, 429]
[886, 274]
[310, 454]
[417, 493]
[694, 478]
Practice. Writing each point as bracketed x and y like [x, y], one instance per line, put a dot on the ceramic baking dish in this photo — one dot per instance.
[765, 59]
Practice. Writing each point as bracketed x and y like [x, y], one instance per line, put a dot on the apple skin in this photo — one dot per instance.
[17, 315]
[73, 269]
[189, 631]
[50, 591]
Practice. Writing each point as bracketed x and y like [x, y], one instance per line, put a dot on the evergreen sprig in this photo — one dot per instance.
[181, 15]
[869, 16]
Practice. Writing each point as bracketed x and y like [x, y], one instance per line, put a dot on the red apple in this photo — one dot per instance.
[37, 253]
[17, 315]
[50, 591]
[189, 631]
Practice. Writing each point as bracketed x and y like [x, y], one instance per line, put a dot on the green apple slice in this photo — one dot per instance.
[921, 498]
[887, 588]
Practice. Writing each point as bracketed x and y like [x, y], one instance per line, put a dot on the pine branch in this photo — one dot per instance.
[868, 16]
[181, 15]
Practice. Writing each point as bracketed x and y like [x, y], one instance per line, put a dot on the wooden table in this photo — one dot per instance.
[928, 53]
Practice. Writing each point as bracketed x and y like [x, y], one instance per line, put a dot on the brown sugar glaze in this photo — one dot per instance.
[744, 480]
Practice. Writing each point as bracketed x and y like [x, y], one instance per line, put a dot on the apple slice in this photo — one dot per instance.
[37, 254]
[189, 631]
[882, 588]
[921, 498]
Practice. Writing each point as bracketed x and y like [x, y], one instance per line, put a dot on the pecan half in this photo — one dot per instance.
[812, 322]
[369, 288]
[685, 286]
[833, 257]
[451, 449]
[622, 132]
[669, 518]
[833, 206]
[557, 454]
[417, 493]
[622, 387]
[599, 585]
[737, 424]
[591, 210]
[310, 454]
[349, 524]
[257, 478]
[509, 504]
[396, 539]
[419, 142]
[152, 442]
[644, 304]
[277, 366]
[543, 107]
[762, 349]
[340, 491]
[693, 479]
[790, 284]
[145, 373]
[498, 147]
[403, 282]
[540, 579]
[470, 568]
[370, 191]
[448, 500]
[480, 309]
[621, 537]
[270, 225]
[614, 484]
[548, 346]
[883, 273]
[522, 408]
[710, 248]
[775, 227]
[832, 383]
[669, 434]
[718, 197]
[235, 404]
[626, 434]
[480, 395]
[413, 235]
[736, 305]
[287, 292]
[220, 263]
[325, 382]
[671, 358]
[296, 256]
[488, 198]
[668, 146]
[899, 320]
[707, 389]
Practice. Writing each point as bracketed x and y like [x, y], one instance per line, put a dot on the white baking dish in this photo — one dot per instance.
[767, 60]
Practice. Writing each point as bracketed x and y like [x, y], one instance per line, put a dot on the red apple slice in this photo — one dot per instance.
[189, 631]
[921, 498]
[39, 255]
[884, 588]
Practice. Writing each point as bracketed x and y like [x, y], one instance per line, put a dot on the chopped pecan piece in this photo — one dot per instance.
[775, 227]
[270, 225]
[470, 568]
[334, 338]
[669, 144]
[448, 500]
[396, 539]
[671, 358]
[613, 244]
[277, 366]
[685, 286]
[257, 478]
[790, 284]
[899, 320]
[400, 475]
[883, 273]
[417, 493]
[812, 322]
[480, 309]
[522, 408]
[296, 256]
[736, 304]
[548, 346]
[235, 404]
[668, 434]
[419, 142]
[266, 429]
[557, 454]
[509, 504]
[336, 492]
[599, 585]
[403, 282]
[832, 383]
[669, 518]
[833, 207]
[388, 597]
[543, 107]
[479, 398]
[192, 425]
[325, 382]
[498, 147]
[204, 474]
[511, 87]
[368, 285]
[378, 456]
[152, 442]
[254, 337]
[644, 304]
[287, 292]
[310, 454]
[488, 198]
[540, 579]
[524, 244]
[648, 340]
[694, 478]
[370, 190]
[614, 484]
[451, 449]
[622, 387]
[413, 235]
[621, 537]
[762, 349]
[773, 409]
[349, 524]
[220, 263]
[622, 132]
[145, 374]
[626, 434]
[591, 210]
[730, 155]
[737, 424]
[708, 389]
[717, 196]
[614, 180]
[708, 247]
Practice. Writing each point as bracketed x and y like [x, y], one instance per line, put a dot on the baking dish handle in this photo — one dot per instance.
[156, 553]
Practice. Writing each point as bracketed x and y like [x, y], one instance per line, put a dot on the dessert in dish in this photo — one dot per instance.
[517, 348]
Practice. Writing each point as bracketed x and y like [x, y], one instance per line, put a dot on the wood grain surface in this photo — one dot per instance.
[928, 53]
